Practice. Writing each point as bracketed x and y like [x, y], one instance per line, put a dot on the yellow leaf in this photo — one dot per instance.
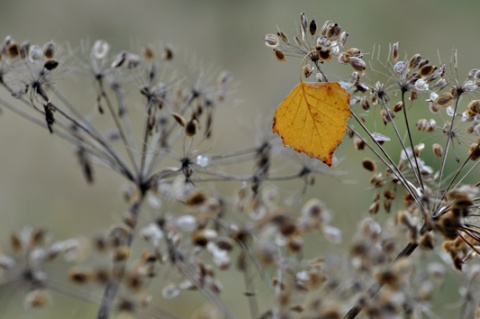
[312, 119]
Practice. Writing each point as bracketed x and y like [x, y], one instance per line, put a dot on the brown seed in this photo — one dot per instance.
[49, 50]
[414, 61]
[282, 36]
[279, 54]
[374, 208]
[149, 53]
[307, 71]
[427, 241]
[395, 48]
[168, 54]
[331, 30]
[426, 70]
[474, 151]
[196, 198]
[121, 254]
[444, 100]
[37, 299]
[324, 54]
[473, 108]
[16, 242]
[50, 64]
[387, 205]
[180, 120]
[13, 50]
[312, 27]
[369, 165]
[358, 64]
[437, 150]
[387, 116]
[191, 128]
[398, 107]
[365, 104]
[359, 143]
[79, 276]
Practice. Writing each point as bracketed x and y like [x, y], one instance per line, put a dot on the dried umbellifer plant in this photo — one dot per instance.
[423, 166]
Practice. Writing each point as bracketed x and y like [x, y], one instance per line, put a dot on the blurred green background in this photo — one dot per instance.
[40, 181]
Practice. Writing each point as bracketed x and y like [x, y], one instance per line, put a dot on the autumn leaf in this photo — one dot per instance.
[312, 119]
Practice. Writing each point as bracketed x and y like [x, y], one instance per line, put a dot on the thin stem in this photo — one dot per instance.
[447, 147]
[415, 169]
[113, 286]
[127, 137]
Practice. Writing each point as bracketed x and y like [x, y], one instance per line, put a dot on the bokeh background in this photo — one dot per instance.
[40, 181]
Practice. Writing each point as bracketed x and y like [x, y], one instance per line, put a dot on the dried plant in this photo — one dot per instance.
[417, 122]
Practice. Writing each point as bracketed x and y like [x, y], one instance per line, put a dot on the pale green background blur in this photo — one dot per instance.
[40, 181]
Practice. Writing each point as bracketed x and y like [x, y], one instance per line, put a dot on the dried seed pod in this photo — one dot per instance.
[422, 63]
[168, 54]
[35, 53]
[377, 180]
[389, 194]
[50, 65]
[449, 224]
[426, 70]
[395, 48]
[49, 50]
[369, 165]
[191, 127]
[374, 208]
[414, 61]
[427, 241]
[100, 49]
[304, 22]
[397, 107]
[343, 38]
[418, 149]
[323, 54]
[119, 60]
[387, 116]
[474, 151]
[307, 70]
[24, 50]
[312, 27]
[195, 199]
[279, 54]
[331, 30]
[365, 104]
[413, 95]
[37, 298]
[180, 120]
[359, 143]
[149, 53]
[473, 108]
[387, 205]
[424, 125]
[121, 254]
[271, 40]
[13, 50]
[132, 60]
[437, 150]
[400, 67]
[283, 36]
[79, 275]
